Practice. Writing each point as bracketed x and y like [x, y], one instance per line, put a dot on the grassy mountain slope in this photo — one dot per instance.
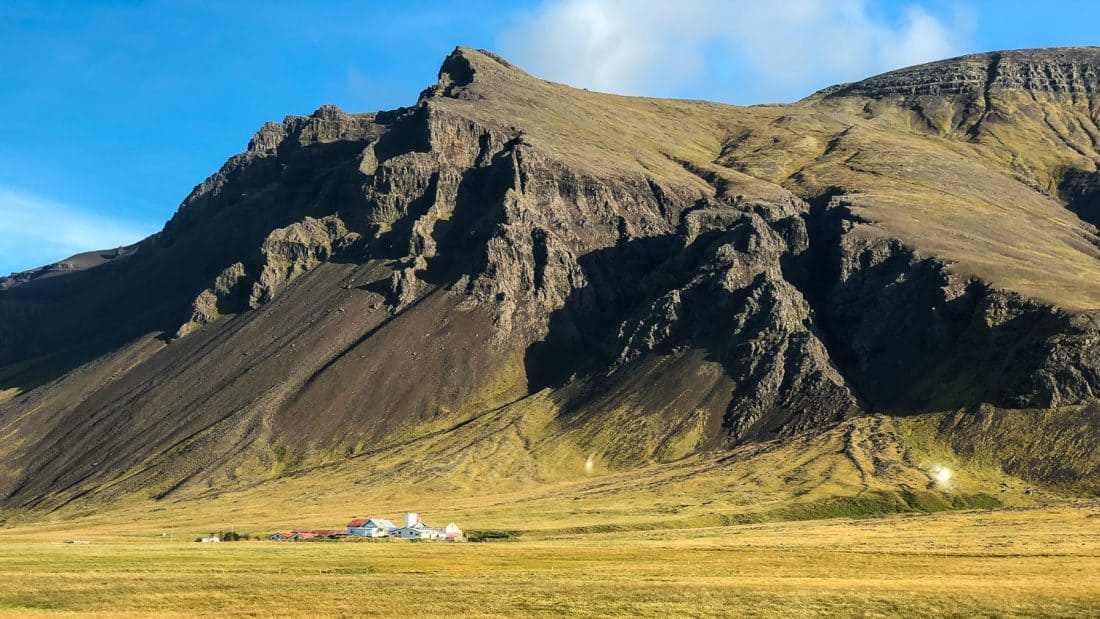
[516, 471]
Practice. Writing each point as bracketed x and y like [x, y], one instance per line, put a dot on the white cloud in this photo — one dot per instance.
[779, 48]
[35, 231]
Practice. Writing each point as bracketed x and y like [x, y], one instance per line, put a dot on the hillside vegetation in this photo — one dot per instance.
[511, 472]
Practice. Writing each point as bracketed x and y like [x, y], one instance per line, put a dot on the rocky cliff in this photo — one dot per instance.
[692, 275]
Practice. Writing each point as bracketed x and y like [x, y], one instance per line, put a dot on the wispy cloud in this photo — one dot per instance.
[780, 49]
[35, 231]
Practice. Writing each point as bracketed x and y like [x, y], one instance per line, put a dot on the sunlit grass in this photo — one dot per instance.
[853, 521]
[1029, 562]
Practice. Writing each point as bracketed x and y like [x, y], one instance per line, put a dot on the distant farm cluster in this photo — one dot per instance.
[414, 528]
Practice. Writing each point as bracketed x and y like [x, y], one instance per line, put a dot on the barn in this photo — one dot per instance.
[415, 529]
[370, 527]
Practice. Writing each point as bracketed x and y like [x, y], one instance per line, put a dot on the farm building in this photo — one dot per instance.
[377, 527]
[415, 529]
[370, 527]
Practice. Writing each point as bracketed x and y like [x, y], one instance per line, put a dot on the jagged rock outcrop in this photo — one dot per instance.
[699, 275]
[733, 299]
[290, 252]
[217, 301]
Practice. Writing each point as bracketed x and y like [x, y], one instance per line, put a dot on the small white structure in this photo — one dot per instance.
[452, 533]
[417, 532]
[415, 529]
[210, 540]
[370, 527]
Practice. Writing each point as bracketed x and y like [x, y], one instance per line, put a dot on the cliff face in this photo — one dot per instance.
[695, 274]
[1064, 70]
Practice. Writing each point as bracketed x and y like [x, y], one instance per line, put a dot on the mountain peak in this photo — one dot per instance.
[466, 70]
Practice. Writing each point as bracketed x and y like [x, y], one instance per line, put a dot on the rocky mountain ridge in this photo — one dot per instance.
[1058, 70]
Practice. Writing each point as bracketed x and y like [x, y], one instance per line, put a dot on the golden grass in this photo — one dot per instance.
[1036, 562]
[638, 541]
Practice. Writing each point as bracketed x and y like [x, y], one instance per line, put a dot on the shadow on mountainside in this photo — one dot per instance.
[901, 345]
[49, 326]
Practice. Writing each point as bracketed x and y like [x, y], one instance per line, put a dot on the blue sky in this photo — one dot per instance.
[115, 110]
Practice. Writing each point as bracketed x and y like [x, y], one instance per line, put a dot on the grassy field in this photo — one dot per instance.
[1025, 562]
[849, 522]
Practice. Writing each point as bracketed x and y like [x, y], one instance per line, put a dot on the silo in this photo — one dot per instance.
[411, 519]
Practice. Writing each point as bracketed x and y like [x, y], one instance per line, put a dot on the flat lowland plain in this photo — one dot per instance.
[1008, 562]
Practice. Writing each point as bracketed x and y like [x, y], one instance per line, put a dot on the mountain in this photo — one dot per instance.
[647, 279]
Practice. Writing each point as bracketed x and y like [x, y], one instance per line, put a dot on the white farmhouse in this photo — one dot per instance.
[415, 529]
[370, 527]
